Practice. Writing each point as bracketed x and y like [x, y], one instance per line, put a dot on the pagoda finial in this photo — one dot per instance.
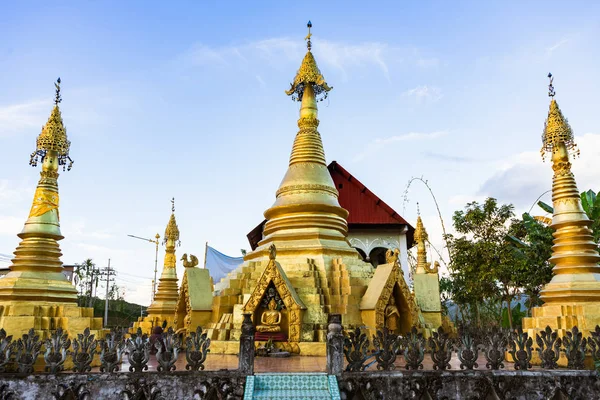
[52, 141]
[308, 75]
[556, 128]
[171, 236]
[307, 38]
[57, 99]
[551, 91]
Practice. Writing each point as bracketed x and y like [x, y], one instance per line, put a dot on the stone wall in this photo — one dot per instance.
[472, 385]
[148, 386]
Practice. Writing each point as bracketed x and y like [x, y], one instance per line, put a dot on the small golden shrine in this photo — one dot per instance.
[165, 301]
[316, 272]
[426, 281]
[572, 297]
[35, 293]
[194, 306]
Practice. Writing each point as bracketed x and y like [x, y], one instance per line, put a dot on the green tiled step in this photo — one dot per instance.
[305, 394]
[307, 386]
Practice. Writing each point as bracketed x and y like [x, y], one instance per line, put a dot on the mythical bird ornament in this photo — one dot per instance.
[189, 263]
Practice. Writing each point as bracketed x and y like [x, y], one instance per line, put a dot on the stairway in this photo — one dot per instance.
[292, 386]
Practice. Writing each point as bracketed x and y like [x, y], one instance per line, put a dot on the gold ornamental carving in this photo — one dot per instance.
[307, 188]
[308, 74]
[272, 274]
[44, 200]
[387, 293]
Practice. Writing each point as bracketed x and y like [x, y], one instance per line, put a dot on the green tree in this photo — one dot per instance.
[533, 242]
[485, 267]
[87, 280]
[479, 254]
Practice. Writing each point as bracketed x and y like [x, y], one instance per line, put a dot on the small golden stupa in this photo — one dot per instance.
[304, 262]
[165, 300]
[35, 293]
[426, 281]
[572, 297]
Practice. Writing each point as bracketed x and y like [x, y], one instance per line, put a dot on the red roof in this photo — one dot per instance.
[363, 205]
[366, 210]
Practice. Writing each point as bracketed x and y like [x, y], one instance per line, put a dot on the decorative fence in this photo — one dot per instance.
[351, 355]
[385, 366]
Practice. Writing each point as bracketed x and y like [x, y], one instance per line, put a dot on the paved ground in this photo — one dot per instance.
[216, 362]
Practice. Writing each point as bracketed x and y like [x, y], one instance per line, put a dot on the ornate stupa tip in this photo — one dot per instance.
[308, 74]
[420, 232]
[556, 128]
[53, 137]
[172, 231]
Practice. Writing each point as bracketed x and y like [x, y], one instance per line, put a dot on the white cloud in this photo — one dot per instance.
[379, 143]
[523, 177]
[551, 49]
[17, 117]
[10, 225]
[424, 93]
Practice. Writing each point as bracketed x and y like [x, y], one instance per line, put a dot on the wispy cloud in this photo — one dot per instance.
[17, 117]
[380, 143]
[340, 56]
[551, 49]
[428, 62]
[449, 157]
[424, 93]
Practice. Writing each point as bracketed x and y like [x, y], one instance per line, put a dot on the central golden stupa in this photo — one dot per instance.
[304, 268]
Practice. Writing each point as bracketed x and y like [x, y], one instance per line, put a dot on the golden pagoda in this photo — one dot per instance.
[303, 268]
[572, 297]
[165, 300]
[426, 281]
[35, 293]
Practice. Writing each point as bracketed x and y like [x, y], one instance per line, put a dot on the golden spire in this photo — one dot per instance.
[421, 237]
[306, 214]
[172, 231]
[36, 272]
[574, 253]
[165, 300]
[308, 75]
[556, 128]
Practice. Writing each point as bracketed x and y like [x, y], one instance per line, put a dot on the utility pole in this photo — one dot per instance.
[109, 273]
[156, 242]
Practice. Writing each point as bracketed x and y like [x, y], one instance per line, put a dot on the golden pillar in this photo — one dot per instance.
[36, 293]
[572, 297]
[164, 305]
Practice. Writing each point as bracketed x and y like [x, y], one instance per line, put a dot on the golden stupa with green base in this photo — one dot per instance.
[572, 297]
[304, 261]
[35, 293]
[164, 305]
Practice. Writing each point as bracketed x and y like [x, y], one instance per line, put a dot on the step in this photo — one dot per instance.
[293, 386]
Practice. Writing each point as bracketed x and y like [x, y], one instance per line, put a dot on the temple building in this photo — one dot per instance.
[36, 293]
[373, 226]
[572, 297]
[165, 300]
[303, 267]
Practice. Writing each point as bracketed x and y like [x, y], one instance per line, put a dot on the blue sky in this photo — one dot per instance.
[185, 99]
